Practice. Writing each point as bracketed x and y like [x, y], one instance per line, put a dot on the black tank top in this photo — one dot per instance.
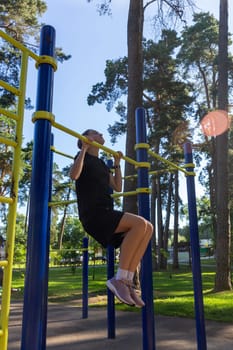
[92, 187]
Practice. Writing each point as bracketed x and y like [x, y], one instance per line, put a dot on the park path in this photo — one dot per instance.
[68, 331]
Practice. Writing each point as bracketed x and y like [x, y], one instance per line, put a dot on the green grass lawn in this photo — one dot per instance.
[173, 291]
[174, 296]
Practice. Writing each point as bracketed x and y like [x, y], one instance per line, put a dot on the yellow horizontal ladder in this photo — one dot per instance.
[7, 200]
[7, 264]
[9, 114]
[3, 263]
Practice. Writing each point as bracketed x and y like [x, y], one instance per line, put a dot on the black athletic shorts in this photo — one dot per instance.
[101, 225]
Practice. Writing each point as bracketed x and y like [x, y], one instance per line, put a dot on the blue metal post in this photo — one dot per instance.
[44, 312]
[144, 210]
[85, 277]
[36, 283]
[111, 301]
[195, 252]
[110, 295]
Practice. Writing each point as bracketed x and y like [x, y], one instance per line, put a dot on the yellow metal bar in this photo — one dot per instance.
[55, 204]
[189, 165]
[10, 88]
[26, 51]
[9, 114]
[124, 194]
[1, 332]
[143, 165]
[132, 193]
[10, 236]
[96, 144]
[189, 173]
[19, 46]
[3, 263]
[141, 145]
[47, 59]
[67, 250]
[43, 115]
[6, 200]
[143, 190]
[162, 171]
[130, 177]
[152, 172]
[171, 164]
[49, 116]
[8, 142]
[61, 153]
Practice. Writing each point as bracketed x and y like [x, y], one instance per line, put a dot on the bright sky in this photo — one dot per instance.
[91, 40]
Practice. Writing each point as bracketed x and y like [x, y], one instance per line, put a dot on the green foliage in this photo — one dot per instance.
[20, 240]
[115, 85]
[7, 130]
[205, 223]
[25, 173]
[198, 57]
[73, 234]
[166, 97]
[103, 7]
[204, 31]
[20, 18]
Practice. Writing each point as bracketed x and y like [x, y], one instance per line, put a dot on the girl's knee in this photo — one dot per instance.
[142, 223]
[145, 224]
[146, 227]
[150, 228]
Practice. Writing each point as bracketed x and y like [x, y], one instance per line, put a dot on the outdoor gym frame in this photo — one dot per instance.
[34, 325]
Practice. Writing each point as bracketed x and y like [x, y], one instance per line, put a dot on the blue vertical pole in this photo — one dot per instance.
[36, 283]
[195, 251]
[44, 312]
[85, 277]
[144, 210]
[110, 296]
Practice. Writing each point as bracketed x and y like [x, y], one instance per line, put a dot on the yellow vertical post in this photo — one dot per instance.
[7, 279]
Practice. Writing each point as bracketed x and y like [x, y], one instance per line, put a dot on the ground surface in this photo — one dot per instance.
[68, 331]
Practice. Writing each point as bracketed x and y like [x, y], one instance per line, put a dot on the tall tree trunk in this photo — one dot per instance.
[135, 89]
[176, 223]
[167, 220]
[153, 221]
[160, 225]
[212, 172]
[223, 277]
[61, 233]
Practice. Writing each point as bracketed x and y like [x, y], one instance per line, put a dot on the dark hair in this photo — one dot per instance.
[85, 133]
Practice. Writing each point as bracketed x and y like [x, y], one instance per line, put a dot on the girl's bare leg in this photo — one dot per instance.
[141, 248]
[138, 234]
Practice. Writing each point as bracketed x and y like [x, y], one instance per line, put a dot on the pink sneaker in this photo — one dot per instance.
[120, 290]
[136, 297]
